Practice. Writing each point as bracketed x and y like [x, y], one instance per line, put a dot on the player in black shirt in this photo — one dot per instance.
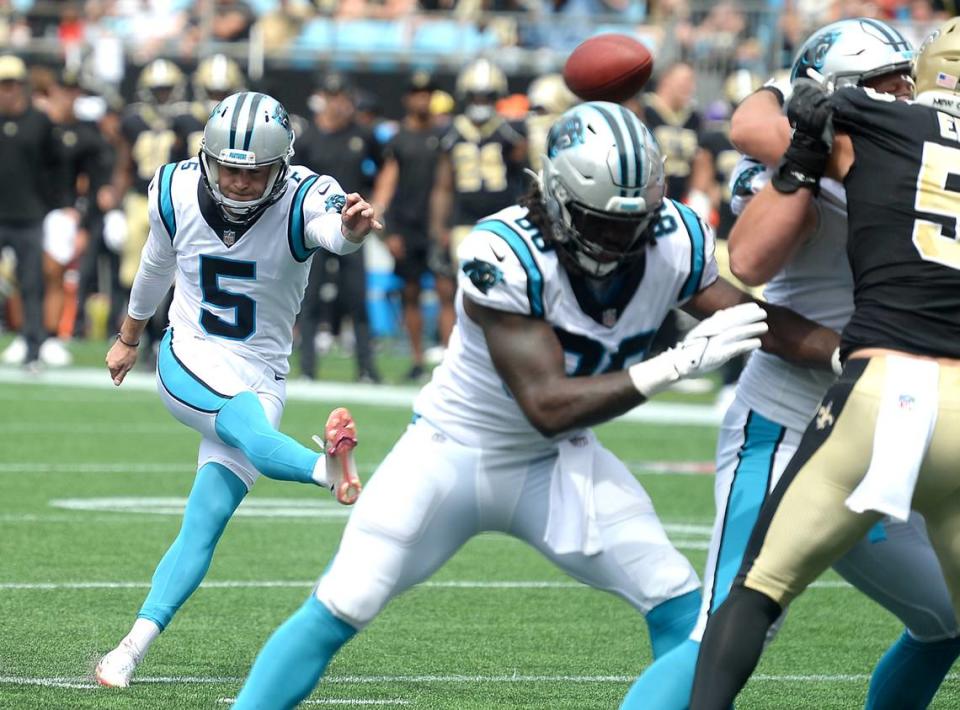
[669, 113]
[30, 181]
[403, 189]
[885, 437]
[335, 144]
[480, 170]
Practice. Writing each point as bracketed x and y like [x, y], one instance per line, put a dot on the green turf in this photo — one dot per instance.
[462, 645]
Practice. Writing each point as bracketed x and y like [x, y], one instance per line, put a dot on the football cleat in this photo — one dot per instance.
[340, 439]
[116, 668]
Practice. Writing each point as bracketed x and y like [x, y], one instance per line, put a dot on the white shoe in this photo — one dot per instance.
[15, 353]
[339, 441]
[116, 668]
[54, 353]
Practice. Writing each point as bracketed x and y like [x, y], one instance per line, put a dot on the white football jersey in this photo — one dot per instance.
[816, 283]
[506, 265]
[240, 285]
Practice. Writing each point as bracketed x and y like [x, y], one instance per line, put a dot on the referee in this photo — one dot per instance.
[29, 181]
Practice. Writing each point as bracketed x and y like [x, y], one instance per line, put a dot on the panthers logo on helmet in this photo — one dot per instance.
[281, 116]
[815, 55]
[566, 133]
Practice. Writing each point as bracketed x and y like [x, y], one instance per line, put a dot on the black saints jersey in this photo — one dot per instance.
[725, 158]
[903, 202]
[486, 179]
[157, 137]
[679, 137]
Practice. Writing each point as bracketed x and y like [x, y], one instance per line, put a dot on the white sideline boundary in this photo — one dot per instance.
[308, 584]
[81, 682]
[343, 393]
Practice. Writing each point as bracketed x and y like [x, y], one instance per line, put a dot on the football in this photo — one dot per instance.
[609, 67]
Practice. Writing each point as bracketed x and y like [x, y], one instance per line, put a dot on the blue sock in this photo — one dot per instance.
[910, 672]
[243, 424]
[671, 622]
[667, 684]
[216, 494]
[290, 665]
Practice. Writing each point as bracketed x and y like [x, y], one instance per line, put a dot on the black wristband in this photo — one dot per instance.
[802, 165]
[124, 342]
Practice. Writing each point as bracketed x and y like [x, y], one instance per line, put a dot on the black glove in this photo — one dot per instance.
[810, 112]
[805, 161]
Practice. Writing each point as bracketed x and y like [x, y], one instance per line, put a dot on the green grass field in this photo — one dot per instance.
[91, 485]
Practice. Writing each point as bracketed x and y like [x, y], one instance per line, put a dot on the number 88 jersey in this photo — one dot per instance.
[903, 203]
[506, 265]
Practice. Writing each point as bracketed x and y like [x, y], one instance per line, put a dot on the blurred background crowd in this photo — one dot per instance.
[430, 108]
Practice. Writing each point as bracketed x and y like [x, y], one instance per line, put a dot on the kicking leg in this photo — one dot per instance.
[418, 509]
[216, 494]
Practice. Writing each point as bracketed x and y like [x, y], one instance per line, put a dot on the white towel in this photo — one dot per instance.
[572, 518]
[905, 423]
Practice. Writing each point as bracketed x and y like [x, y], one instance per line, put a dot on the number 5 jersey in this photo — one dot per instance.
[238, 283]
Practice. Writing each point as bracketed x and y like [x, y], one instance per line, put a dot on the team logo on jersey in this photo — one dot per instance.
[825, 416]
[741, 187]
[482, 274]
[565, 134]
[229, 237]
[336, 203]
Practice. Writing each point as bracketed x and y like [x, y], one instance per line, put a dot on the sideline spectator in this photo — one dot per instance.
[403, 188]
[28, 182]
[336, 145]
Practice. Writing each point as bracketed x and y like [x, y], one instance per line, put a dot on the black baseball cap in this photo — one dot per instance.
[420, 81]
[334, 83]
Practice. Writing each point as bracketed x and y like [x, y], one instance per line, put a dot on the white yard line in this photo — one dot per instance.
[307, 584]
[82, 682]
[341, 393]
[339, 701]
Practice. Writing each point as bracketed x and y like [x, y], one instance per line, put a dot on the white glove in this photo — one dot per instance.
[724, 335]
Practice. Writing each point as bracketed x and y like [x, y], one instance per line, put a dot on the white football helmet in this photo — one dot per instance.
[602, 184]
[247, 130]
[851, 52]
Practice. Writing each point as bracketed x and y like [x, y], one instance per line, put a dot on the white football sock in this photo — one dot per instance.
[141, 636]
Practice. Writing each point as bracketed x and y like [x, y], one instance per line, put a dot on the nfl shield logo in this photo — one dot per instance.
[229, 237]
[610, 317]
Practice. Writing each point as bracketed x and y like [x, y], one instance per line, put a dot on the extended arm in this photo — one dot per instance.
[790, 337]
[758, 127]
[768, 232]
[529, 358]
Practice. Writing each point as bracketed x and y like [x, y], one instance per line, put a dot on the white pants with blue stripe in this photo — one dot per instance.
[431, 495]
[196, 376]
[894, 565]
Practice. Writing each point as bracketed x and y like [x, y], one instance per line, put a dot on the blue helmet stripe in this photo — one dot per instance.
[618, 137]
[896, 40]
[251, 120]
[631, 121]
[295, 222]
[520, 247]
[235, 119]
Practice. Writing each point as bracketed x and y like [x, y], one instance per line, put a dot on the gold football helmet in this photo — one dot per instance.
[549, 94]
[739, 85]
[216, 78]
[936, 71]
[161, 83]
